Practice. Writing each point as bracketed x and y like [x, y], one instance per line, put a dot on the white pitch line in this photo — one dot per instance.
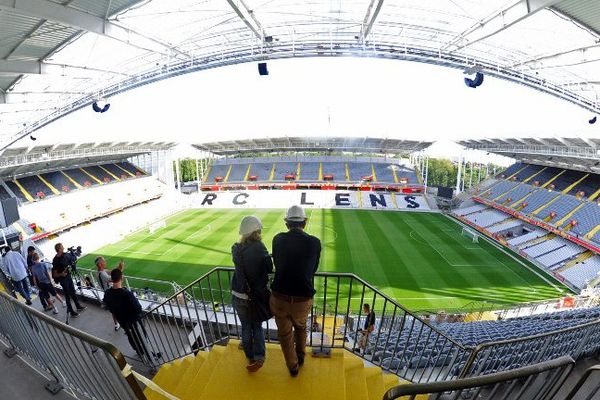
[191, 235]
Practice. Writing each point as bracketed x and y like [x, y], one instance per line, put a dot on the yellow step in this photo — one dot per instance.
[228, 173]
[553, 178]
[516, 173]
[73, 181]
[580, 258]
[577, 182]
[124, 170]
[27, 195]
[569, 215]
[272, 174]
[195, 387]
[298, 170]
[109, 173]
[319, 378]
[373, 174]
[98, 181]
[166, 378]
[534, 175]
[374, 380]
[189, 375]
[347, 173]
[48, 184]
[356, 383]
[247, 172]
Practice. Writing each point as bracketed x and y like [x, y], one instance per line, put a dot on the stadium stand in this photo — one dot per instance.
[310, 169]
[581, 273]
[589, 186]
[537, 233]
[545, 175]
[538, 199]
[515, 194]
[567, 180]
[4, 193]
[587, 217]
[487, 217]
[470, 210]
[217, 171]
[510, 171]
[528, 172]
[237, 172]
[504, 226]
[499, 189]
[544, 247]
[559, 256]
[561, 207]
[58, 213]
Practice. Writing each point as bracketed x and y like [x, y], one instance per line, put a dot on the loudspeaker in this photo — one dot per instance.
[262, 69]
[9, 212]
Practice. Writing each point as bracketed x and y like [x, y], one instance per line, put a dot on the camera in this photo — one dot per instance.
[73, 253]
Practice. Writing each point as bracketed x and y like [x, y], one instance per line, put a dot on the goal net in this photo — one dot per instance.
[156, 226]
[474, 236]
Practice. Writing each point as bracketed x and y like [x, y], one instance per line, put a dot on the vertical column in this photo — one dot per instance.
[426, 172]
[459, 174]
[178, 173]
[197, 174]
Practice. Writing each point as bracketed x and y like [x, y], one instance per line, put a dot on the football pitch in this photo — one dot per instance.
[419, 259]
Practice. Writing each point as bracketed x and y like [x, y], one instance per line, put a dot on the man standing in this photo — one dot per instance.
[61, 272]
[127, 310]
[41, 278]
[296, 257]
[105, 280]
[16, 267]
[368, 327]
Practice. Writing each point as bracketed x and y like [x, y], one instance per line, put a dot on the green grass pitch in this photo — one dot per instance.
[420, 259]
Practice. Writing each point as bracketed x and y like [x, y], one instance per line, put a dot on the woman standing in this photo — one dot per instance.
[252, 266]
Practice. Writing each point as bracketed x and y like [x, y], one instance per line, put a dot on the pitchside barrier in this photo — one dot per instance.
[311, 199]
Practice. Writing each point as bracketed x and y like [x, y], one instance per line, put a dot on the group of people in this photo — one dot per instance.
[32, 271]
[295, 257]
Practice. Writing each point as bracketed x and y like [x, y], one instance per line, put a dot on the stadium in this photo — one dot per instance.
[445, 154]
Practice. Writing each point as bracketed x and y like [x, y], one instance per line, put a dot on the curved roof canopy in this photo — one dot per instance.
[313, 144]
[570, 153]
[60, 55]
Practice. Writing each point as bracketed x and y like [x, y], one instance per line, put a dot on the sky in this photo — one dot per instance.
[354, 97]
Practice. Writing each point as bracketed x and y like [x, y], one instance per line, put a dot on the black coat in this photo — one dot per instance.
[296, 255]
[257, 264]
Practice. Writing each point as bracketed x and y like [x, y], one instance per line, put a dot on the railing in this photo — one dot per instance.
[588, 384]
[540, 381]
[577, 342]
[80, 363]
[201, 315]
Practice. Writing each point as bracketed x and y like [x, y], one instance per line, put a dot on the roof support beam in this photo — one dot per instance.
[41, 68]
[498, 22]
[51, 11]
[578, 55]
[246, 15]
[370, 18]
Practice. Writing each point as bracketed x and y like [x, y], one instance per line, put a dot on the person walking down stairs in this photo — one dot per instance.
[249, 289]
[296, 256]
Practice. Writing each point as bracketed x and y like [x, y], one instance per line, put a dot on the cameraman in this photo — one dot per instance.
[61, 272]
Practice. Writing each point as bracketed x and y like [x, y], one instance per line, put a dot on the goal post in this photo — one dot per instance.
[469, 233]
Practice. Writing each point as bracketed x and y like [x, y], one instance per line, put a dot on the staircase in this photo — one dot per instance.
[220, 374]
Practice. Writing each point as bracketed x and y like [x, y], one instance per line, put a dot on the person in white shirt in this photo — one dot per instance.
[16, 267]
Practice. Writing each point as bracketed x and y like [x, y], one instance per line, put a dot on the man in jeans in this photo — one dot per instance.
[16, 268]
[296, 257]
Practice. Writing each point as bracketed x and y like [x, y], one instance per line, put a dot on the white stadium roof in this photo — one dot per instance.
[312, 144]
[571, 153]
[57, 56]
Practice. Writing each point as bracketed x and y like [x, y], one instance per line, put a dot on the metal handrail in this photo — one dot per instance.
[585, 379]
[75, 360]
[320, 275]
[542, 338]
[467, 386]
[201, 315]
